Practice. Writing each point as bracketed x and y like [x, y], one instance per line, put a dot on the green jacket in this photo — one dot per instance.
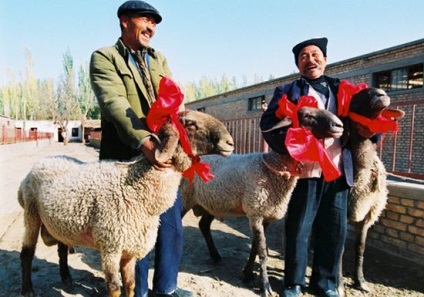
[121, 94]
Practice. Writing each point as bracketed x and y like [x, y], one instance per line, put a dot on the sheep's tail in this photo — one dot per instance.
[20, 198]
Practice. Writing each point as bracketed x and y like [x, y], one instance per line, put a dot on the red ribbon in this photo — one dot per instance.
[165, 108]
[300, 142]
[380, 124]
[344, 96]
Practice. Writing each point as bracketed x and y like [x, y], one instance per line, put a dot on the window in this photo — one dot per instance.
[75, 132]
[255, 103]
[406, 78]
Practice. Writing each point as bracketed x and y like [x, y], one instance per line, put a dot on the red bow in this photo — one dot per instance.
[380, 124]
[300, 142]
[344, 96]
[166, 108]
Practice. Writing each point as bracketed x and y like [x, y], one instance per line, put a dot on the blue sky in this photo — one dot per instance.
[205, 37]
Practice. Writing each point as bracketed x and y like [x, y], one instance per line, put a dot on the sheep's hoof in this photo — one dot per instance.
[27, 292]
[267, 292]
[216, 257]
[362, 286]
[68, 282]
[249, 280]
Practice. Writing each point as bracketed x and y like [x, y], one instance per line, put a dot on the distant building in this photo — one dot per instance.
[16, 129]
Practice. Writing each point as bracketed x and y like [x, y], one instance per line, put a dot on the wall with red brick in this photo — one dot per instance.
[400, 228]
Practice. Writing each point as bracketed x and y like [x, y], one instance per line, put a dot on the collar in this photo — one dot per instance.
[126, 51]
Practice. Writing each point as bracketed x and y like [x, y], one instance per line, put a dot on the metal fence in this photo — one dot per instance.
[14, 135]
[401, 152]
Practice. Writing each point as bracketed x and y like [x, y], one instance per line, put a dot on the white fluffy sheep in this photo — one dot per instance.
[368, 196]
[257, 185]
[110, 206]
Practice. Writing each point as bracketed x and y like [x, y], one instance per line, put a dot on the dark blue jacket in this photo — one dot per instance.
[276, 138]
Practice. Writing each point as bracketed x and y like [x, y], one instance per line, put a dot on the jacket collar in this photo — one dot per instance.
[125, 52]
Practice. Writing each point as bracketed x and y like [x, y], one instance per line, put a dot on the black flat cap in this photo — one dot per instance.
[319, 42]
[136, 7]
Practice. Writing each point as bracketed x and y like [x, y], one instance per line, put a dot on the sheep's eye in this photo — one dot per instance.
[191, 125]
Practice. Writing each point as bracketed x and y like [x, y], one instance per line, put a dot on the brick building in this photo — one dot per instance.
[399, 71]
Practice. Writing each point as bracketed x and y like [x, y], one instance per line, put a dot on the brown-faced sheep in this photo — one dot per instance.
[110, 206]
[368, 196]
[257, 185]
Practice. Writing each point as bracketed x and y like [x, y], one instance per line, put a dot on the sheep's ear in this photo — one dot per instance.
[394, 114]
[281, 124]
[169, 142]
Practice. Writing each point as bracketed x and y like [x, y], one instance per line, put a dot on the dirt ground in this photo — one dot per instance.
[387, 275]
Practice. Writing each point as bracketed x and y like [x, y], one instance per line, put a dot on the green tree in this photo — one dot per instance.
[47, 98]
[86, 98]
[30, 100]
[66, 105]
[10, 95]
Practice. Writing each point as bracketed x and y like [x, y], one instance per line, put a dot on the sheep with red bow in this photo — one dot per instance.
[368, 107]
[259, 185]
[112, 206]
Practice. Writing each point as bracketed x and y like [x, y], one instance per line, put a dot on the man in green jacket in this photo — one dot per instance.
[125, 79]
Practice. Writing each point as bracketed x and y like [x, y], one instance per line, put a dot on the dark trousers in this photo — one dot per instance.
[320, 207]
[168, 252]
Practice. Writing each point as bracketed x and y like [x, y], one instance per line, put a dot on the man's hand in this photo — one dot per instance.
[148, 148]
[364, 131]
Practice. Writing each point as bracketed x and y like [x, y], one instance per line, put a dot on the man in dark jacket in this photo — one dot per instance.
[315, 203]
[125, 79]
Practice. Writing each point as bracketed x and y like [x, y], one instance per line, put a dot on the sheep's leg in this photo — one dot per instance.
[248, 269]
[27, 254]
[110, 264]
[32, 228]
[259, 241]
[205, 227]
[128, 278]
[62, 250]
[361, 230]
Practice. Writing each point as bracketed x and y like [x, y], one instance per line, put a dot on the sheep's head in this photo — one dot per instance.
[372, 102]
[206, 135]
[322, 123]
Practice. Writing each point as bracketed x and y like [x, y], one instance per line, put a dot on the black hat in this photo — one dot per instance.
[139, 7]
[319, 42]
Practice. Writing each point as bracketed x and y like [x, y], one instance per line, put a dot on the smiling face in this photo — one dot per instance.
[311, 62]
[137, 30]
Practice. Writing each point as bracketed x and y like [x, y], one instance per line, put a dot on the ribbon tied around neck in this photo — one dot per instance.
[300, 142]
[381, 124]
[166, 107]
